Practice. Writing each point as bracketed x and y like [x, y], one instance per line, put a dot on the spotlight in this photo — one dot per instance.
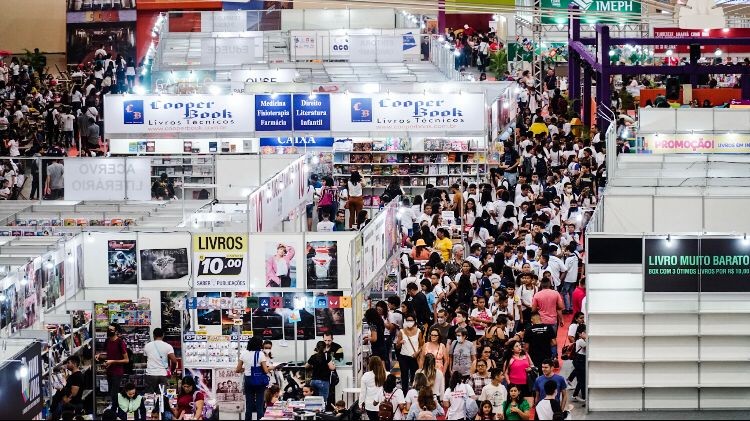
[669, 52]
[214, 90]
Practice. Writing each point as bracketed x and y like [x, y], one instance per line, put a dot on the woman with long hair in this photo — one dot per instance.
[435, 377]
[409, 342]
[253, 364]
[478, 233]
[425, 403]
[435, 347]
[356, 201]
[322, 366]
[454, 399]
[272, 395]
[391, 393]
[517, 364]
[516, 407]
[372, 387]
[377, 336]
[420, 381]
[470, 213]
[190, 400]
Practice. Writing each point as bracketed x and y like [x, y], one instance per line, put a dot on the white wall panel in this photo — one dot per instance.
[614, 301]
[654, 120]
[722, 214]
[627, 214]
[698, 119]
[674, 214]
[614, 281]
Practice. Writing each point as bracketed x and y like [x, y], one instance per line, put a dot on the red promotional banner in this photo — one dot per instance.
[699, 33]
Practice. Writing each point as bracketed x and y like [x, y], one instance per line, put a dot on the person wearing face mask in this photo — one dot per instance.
[463, 354]
[409, 344]
[115, 358]
[274, 376]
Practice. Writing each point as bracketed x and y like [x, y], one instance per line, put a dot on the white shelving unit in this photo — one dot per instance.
[188, 169]
[650, 352]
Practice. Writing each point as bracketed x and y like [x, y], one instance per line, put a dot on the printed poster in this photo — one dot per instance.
[203, 379]
[157, 264]
[171, 303]
[122, 262]
[322, 265]
[228, 385]
[220, 262]
[281, 266]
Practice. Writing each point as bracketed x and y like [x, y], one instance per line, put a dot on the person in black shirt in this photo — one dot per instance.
[461, 318]
[586, 180]
[540, 338]
[377, 336]
[333, 351]
[419, 305]
[322, 365]
[71, 395]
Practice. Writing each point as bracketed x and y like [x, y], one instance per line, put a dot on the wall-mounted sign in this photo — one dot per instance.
[412, 112]
[630, 9]
[24, 394]
[697, 265]
[308, 141]
[240, 78]
[727, 143]
[728, 33]
[312, 112]
[220, 261]
[134, 114]
[107, 179]
[273, 113]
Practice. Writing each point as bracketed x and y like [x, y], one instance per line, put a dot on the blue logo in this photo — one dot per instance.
[309, 141]
[409, 41]
[312, 112]
[361, 110]
[133, 111]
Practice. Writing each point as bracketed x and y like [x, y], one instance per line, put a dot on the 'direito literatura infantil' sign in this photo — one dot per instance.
[697, 265]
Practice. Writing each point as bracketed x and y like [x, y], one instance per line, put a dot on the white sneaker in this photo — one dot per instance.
[570, 385]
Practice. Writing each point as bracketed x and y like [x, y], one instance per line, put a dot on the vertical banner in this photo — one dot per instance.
[277, 198]
[273, 113]
[220, 261]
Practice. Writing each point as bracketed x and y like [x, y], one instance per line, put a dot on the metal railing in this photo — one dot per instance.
[443, 55]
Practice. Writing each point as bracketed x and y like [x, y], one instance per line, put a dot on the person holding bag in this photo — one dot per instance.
[253, 364]
[409, 345]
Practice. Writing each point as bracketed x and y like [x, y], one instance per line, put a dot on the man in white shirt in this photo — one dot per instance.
[495, 392]
[326, 225]
[426, 215]
[571, 277]
[67, 121]
[554, 265]
[160, 361]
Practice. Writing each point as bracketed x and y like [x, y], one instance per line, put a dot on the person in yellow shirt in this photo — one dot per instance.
[443, 244]
[539, 127]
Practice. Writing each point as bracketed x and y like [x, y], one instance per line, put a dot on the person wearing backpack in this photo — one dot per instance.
[459, 400]
[326, 204]
[130, 405]
[392, 402]
[253, 364]
[115, 358]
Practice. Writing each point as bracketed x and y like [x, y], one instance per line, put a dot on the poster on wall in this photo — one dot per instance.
[220, 261]
[322, 265]
[267, 323]
[413, 112]
[123, 264]
[158, 264]
[203, 379]
[172, 320]
[228, 385]
[295, 318]
[330, 320]
[281, 266]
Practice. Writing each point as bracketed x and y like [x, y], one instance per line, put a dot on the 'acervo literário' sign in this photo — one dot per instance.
[697, 265]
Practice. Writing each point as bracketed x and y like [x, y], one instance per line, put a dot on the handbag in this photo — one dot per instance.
[531, 377]
[568, 351]
[257, 377]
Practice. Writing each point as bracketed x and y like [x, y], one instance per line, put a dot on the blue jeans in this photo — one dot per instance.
[567, 294]
[321, 387]
[254, 401]
[512, 178]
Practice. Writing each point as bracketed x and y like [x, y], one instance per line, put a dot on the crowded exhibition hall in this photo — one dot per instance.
[369, 210]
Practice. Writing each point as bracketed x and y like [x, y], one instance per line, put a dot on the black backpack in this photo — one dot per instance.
[541, 167]
[527, 168]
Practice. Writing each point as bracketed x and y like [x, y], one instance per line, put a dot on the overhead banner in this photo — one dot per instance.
[273, 113]
[235, 51]
[629, 9]
[727, 33]
[728, 143]
[23, 394]
[107, 178]
[134, 114]
[278, 197]
[241, 78]
[412, 112]
[308, 141]
[697, 265]
[220, 262]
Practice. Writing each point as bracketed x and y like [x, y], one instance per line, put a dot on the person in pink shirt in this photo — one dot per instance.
[549, 304]
[278, 268]
[578, 295]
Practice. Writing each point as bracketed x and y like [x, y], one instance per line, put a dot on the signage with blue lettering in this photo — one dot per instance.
[273, 113]
[133, 111]
[310, 141]
[361, 110]
[312, 112]
[409, 41]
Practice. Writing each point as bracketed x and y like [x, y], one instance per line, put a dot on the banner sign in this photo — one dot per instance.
[23, 393]
[273, 113]
[613, 7]
[312, 112]
[380, 242]
[413, 112]
[134, 114]
[697, 265]
[220, 262]
[107, 179]
[727, 143]
[235, 51]
[240, 78]
[278, 197]
[308, 141]
[728, 33]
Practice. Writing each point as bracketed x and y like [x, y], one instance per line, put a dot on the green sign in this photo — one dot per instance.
[630, 9]
[551, 52]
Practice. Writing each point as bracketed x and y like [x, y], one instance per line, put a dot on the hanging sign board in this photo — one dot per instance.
[686, 143]
[138, 114]
[630, 10]
[241, 78]
[220, 262]
[412, 112]
[107, 179]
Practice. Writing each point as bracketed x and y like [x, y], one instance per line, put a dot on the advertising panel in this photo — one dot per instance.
[232, 51]
[630, 9]
[23, 393]
[273, 112]
[240, 78]
[220, 261]
[702, 33]
[697, 265]
[413, 112]
[134, 114]
[278, 197]
[312, 112]
[107, 179]
[727, 143]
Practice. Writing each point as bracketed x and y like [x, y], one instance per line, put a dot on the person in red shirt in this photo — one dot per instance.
[115, 358]
[578, 295]
[189, 400]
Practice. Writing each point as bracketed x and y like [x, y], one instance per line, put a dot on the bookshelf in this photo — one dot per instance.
[193, 169]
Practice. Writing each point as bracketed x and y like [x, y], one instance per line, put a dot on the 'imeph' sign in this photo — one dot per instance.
[625, 7]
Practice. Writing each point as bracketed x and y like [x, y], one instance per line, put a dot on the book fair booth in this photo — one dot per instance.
[667, 268]
[197, 267]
